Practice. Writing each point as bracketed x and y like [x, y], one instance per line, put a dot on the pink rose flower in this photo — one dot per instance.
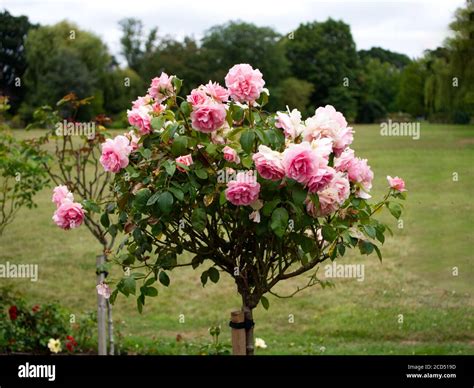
[321, 179]
[208, 117]
[157, 107]
[269, 163]
[358, 172]
[243, 190]
[290, 123]
[161, 87]
[197, 97]
[134, 139]
[344, 161]
[231, 155]
[140, 118]
[69, 215]
[216, 91]
[141, 101]
[187, 160]
[244, 83]
[115, 154]
[60, 193]
[103, 290]
[331, 198]
[300, 162]
[396, 183]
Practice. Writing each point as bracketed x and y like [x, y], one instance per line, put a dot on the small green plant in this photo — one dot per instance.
[215, 348]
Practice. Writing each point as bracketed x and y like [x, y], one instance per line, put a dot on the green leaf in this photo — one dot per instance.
[153, 199]
[199, 219]
[104, 220]
[265, 302]
[222, 198]
[179, 146]
[377, 250]
[157, 122]
[91, 206]
[164, 278]
[170, 167]
[177, 83]
[366, 247]
[329, 234]
[128, 285]
[113, 296]
[395, 209]
[213, 274]
[247, 140]
[269, 206]
[298, 195]
[185, 108]
[177, 193]
[279, 221]
[201, 173]
[141, 199]
[165, 202]
[150, 291]
[369, 230]
[204, 277]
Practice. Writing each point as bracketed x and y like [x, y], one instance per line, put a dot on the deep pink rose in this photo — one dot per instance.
[161, 87]
[140, 118]
[231, 155]
[60, 193]
[69, 215]
[269, 163]
[187, 160]
[396, 183]
[216, 91]
[321, 179]
[243, 190]
[115, 154]
[300, 162]
[244, 83]
[208, 117]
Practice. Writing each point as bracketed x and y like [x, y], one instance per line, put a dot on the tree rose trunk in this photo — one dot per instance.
[249, 332]
[101, 313]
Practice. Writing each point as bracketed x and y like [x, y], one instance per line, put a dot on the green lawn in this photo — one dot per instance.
[415, 278]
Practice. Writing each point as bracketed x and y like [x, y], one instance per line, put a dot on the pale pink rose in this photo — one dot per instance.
[208, 117]
[244, 83]
[60, 193]
[290, 123]
[161, 87]
[69, 215]
[141, 101]
[358, 172]
[329, 123]
[140, 118]
[396, 183]
[300, 162]
[216, 91]
[158, 108]
[322, 148]
[321, 179]
[134, 139]
[197, 97]
[344, 161]
[269, 163]
[331, 198]
[187, 160]
[231, 155]
[115, 153]
[243, 190]
[255, 216]
[103, 290]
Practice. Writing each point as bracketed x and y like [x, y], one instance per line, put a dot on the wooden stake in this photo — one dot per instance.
[101, 313]
[238, 335]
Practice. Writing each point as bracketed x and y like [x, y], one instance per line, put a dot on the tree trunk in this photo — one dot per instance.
[249, 332]
[101, 312]
[111, 329]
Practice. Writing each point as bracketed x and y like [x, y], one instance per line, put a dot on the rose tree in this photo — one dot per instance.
[263, 197]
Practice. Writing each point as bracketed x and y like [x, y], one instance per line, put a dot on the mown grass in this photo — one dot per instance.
[415, 279]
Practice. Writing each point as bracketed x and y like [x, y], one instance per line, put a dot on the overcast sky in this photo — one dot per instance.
[408, 27]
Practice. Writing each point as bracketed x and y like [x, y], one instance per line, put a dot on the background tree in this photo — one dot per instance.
[324, 54]
[410, 96]
[13, 31]
[62, 59]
